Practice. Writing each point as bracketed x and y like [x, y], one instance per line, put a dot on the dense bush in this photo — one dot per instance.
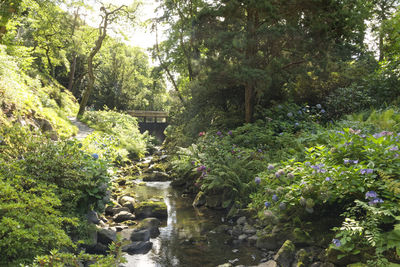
[45, 187]
[348, 100]
[123, 127]
[354, 175]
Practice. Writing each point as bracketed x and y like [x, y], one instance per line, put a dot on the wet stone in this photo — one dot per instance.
[139, 247]
[111, 211]
[237, 230]
[106, 236]
[140, 235]
[123, 216]
[241, 220]
[242, 237]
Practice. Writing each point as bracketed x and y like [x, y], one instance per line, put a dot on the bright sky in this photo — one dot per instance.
[139, 36]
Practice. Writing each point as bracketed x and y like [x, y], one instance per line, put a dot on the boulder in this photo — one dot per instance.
[123, 216]
[140, 235]
[270, 263]
[285, 255]
[97, 248]
[156, 176]
[242, 237]
[139, 247]
[151, 224]
[106, 236]
[92, 217]
[112, 210]
[241, 220]
[128, 202]
[237, 230]
[147, 209]
[248, 229]
[125, 234]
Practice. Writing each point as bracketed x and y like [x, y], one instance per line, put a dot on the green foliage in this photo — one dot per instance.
[26, 97]
[348, 100]
[125, 81]
[123, 127]
[58, 259]
[44, 187]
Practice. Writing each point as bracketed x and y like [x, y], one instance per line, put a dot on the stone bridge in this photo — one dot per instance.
[154, 122]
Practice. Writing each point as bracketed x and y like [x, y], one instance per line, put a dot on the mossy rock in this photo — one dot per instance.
[146, 209]
[156, 176]
[286, 253]
[358, 264]
[200, 199]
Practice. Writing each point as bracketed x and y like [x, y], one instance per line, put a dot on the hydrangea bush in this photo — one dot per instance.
[354, 174]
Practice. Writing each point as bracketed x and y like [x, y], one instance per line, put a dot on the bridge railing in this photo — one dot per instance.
[149, 116]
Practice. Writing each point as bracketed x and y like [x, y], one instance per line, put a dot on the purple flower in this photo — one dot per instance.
[336, 242]
[323, 111]
[257, 180]
[375, 201]
[201, 168]
[193, 162]
[280, 133]
[394, 148]
[346, 161]
[270, 167]
[299, 112]
[355, 161]
[366, 171]
[348, 143]
[267, 204]
[259, 150]
[371, 194]
[277, 174]
[230, 133]
[318, 106]
[95, 156]
[328, 179]
[341, 132]
[219, 133]
[290, 114]
[296, 124]
[275, 198]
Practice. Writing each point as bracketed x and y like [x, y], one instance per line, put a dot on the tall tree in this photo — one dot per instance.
[109, 14]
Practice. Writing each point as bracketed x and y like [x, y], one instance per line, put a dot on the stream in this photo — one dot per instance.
[187, 237]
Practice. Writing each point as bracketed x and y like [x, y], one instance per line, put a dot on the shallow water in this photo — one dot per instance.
[186, 238]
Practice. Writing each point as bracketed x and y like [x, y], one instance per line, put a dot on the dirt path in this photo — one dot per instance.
[84, 130]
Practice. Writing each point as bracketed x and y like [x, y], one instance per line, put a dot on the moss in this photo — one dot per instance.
[157, 209]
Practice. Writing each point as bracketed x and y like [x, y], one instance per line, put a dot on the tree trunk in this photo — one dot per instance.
[249, 103]
[251, 50]
[72, 73]
[96, 48]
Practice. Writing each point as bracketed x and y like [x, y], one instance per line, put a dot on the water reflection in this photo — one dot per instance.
[187, 239]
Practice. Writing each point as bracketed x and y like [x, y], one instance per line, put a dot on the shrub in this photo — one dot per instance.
[354, 175]
[122, 126]
[44, 187]
[348, 100]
